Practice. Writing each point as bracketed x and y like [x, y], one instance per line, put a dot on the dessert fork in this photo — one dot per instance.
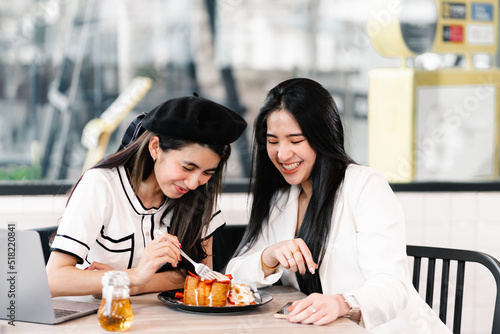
[204, 271]
[201, 269]
[256, 293]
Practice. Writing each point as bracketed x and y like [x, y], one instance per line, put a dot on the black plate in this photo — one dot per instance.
[168, 297]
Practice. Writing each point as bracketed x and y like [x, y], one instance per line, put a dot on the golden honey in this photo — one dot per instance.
[120, 318]
[115, 313]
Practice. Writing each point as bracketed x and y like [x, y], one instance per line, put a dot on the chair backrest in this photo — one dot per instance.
[46, 235]
[225, 242]
[461, 257]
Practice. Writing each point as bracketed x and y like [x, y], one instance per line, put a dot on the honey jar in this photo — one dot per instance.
[115, 313]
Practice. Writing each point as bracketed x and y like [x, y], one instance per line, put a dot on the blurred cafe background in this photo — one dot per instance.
[416, 82]
[63, 63]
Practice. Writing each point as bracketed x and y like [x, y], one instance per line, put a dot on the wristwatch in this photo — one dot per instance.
[353, 304]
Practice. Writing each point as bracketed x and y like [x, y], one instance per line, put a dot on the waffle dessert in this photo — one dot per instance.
[215, 293]
[205, 293]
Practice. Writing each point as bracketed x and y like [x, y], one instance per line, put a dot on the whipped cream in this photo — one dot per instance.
[241, 295]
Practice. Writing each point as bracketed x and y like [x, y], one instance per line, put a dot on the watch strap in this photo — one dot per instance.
[353, 304]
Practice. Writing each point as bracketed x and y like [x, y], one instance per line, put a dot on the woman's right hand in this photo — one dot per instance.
[164, 248]
[291, 254]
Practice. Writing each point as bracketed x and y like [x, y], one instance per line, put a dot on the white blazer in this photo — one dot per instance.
[365, 257]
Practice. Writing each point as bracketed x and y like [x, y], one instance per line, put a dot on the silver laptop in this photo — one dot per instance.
[24, 288]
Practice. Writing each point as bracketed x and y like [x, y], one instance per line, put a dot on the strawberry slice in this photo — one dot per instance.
[209, 281]
[230, 300]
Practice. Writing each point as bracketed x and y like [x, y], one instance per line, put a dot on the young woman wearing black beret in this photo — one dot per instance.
[168, 178]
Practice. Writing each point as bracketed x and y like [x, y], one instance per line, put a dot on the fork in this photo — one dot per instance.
[201, 269]
[204, 271]
[256, 293]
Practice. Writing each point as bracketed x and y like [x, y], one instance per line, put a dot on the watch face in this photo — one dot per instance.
[418, 22]
[351, 301]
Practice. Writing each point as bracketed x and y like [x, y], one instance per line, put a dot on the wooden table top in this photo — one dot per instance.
[153, 316]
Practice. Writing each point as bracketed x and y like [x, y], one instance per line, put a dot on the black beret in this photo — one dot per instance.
[195, 119]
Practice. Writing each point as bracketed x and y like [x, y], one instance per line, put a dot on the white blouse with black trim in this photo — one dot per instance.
[106, 222]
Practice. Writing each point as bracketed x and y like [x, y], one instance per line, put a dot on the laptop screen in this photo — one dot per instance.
[24, 286]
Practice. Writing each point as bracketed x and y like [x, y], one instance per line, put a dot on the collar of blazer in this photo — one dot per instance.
[286, 204]
[285, 201]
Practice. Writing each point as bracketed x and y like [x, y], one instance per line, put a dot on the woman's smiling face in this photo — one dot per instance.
[179, 171]
[288, 148]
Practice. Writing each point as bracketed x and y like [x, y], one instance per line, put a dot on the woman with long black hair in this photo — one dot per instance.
[322, 223]
[169, 178]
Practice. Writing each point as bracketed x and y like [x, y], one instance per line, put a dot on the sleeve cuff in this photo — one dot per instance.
[248, 269]
[79, 259]
[216, 223]
[212, 233]
[68, 245]
[271, 279]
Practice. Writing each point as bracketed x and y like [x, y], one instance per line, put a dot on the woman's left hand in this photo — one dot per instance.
[99, 266]
[316, 309]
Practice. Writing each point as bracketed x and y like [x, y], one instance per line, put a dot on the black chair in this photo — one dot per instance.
[461, 257]
[46, 235]
[225, 242]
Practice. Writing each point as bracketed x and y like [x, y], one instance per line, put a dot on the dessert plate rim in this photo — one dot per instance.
[168, 297]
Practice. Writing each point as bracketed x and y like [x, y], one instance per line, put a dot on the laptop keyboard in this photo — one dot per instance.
[62, 313]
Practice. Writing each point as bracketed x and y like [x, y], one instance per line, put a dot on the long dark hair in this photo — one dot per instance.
[191, 213]
[315, 111]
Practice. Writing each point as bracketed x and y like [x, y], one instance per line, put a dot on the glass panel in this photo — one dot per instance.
[64, 63]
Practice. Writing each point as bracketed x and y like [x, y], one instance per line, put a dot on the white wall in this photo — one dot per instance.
[467, 220]
[460, 220]
[456, 219]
